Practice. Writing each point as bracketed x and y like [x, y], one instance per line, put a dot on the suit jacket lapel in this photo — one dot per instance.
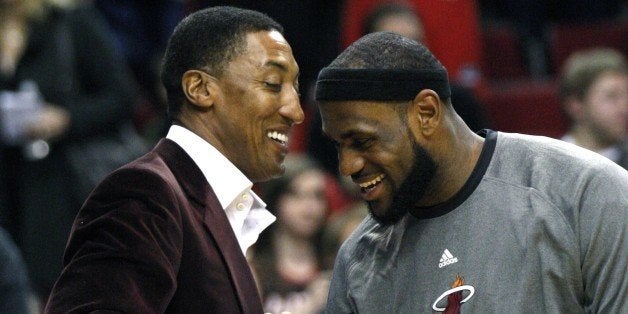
[215, 219]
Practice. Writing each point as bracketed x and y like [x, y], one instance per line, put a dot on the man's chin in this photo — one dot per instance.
[384, 216]
[409, 192]
[269, 172]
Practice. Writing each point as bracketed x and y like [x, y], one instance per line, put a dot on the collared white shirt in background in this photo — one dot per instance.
[613, 153]
[246, 212]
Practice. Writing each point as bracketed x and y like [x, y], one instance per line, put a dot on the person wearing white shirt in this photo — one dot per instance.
[246, 212]
[594, 93]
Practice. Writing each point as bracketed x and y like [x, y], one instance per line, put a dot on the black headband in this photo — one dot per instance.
[339, 84]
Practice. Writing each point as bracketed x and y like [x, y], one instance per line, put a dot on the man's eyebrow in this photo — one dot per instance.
[349, 134]
[343, 136]
[275, 64]
[279, 65]
[367, 126]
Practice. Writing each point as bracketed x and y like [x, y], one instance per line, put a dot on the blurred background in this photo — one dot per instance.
[505, 60]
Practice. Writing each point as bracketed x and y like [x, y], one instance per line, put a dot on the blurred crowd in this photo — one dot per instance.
[80, 95]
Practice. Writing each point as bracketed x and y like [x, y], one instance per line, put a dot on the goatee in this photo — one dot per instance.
[412, 189]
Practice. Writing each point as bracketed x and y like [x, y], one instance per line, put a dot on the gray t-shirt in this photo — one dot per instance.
[539, 227]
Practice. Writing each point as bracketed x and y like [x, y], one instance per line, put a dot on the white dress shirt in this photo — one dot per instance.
[613, 152]
[246, 212]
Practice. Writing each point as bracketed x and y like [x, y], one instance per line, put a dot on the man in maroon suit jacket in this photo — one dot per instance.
[167, 232]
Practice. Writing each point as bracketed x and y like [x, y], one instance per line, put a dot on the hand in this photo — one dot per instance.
[50, 122]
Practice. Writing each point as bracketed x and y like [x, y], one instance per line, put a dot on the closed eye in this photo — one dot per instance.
[273, 87]
[361, 143]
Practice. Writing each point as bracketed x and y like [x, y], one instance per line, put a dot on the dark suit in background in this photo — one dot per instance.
[70, 57]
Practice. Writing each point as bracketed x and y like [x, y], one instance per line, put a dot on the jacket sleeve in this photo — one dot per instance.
[125, 248]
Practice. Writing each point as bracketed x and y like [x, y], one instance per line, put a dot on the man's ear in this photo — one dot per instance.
[425, 112]
[199, 88]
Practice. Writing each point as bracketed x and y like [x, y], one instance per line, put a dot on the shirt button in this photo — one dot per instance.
[245, 197]
[240, 206]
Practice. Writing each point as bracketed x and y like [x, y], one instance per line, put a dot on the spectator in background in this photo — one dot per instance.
[402, 19]
[288, 258]
[141, 30]
[594, 93]
[59, 59]
[532, 19]
[15, 293]
[396, 17]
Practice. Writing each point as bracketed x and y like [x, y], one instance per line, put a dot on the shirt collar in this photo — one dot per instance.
[227, 181]
[612, 152]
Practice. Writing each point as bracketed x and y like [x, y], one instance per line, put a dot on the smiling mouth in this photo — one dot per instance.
[369, 186]
[278, 137]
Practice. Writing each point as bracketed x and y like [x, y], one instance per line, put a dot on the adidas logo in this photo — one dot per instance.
[447, 259]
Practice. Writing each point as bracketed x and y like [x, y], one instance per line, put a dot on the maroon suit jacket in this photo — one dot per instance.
[153, 238]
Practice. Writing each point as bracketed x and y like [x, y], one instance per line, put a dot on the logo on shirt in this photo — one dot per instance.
[458, 294]
[447, 259]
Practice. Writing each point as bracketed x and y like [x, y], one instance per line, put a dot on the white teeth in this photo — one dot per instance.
[280, 137]
[373, 182]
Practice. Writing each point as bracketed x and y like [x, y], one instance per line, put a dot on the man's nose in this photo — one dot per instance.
[349, 162]
[291, 108]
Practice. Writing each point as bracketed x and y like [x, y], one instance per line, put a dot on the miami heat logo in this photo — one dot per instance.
[455, 297]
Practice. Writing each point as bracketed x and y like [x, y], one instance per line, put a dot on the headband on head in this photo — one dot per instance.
[340, 84]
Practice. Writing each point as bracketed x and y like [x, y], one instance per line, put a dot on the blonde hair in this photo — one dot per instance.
[584, 67]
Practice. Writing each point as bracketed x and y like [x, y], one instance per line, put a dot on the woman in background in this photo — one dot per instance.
[288, 257]
[61, 85]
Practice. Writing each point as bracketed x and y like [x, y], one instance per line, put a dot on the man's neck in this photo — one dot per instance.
[454, 172]
[585, 138]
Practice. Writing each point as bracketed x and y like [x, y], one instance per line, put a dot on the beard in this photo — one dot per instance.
[412, 189]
